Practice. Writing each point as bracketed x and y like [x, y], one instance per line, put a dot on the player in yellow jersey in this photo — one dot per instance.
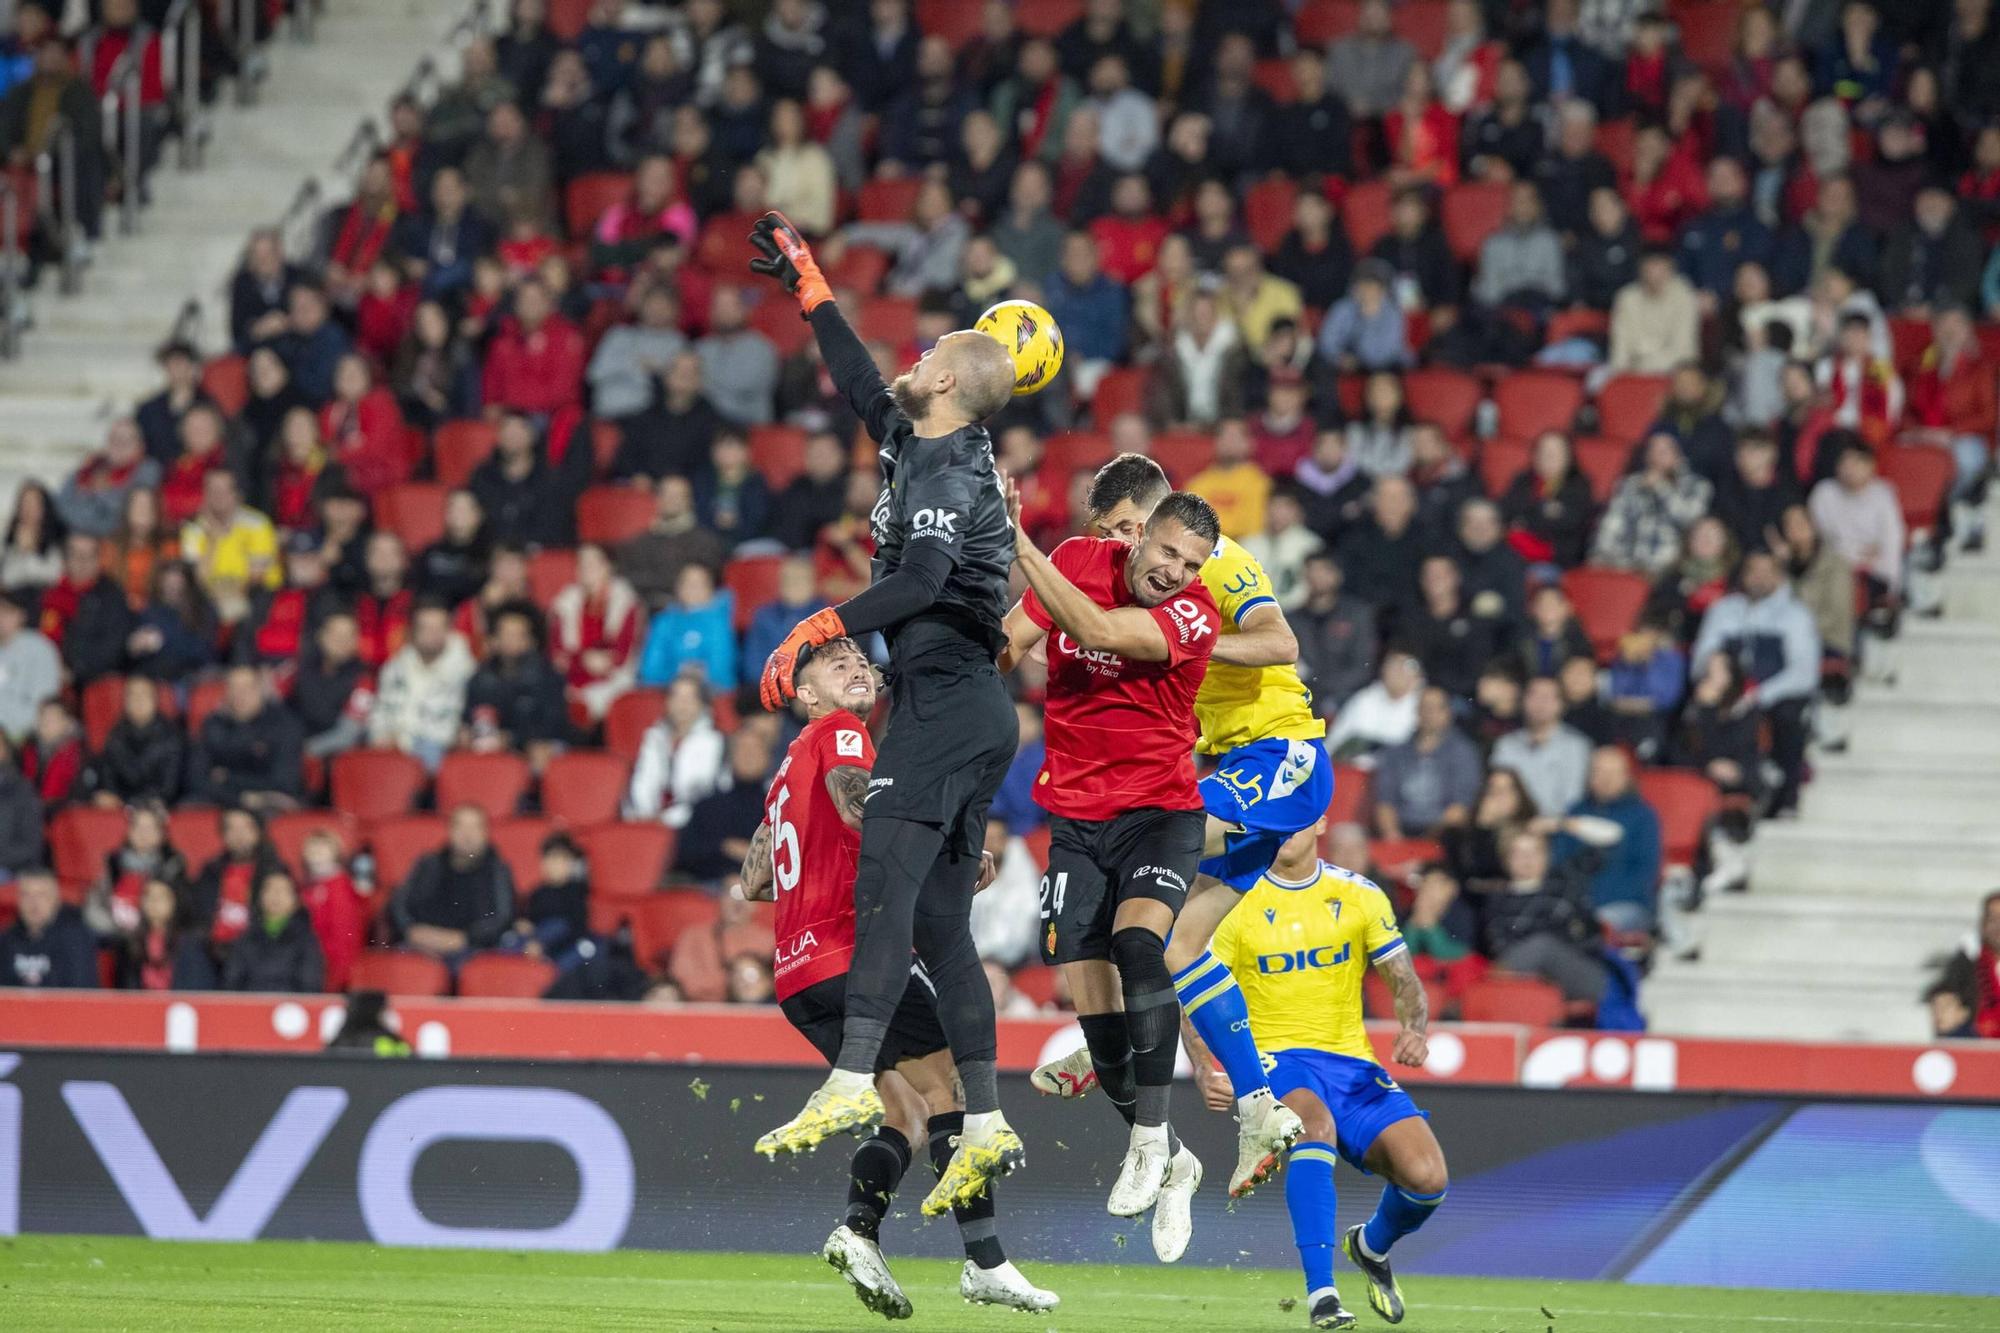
[1272, 779]
[1299, 942]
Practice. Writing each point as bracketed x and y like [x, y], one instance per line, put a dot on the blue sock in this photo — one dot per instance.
[1214, 1004]
[1309, 1198]
[1395, 1217]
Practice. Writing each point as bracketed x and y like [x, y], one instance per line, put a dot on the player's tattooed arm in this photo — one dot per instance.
[848, 786]
[1413, 1010]
[1264, 638]
[1217, 1094]
[758, 885]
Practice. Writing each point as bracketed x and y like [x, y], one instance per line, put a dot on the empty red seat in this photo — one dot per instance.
[1118, 392]
[658, 919]
[568, 18]
[777, 318]
[203, 699]
[1922, 475]
[613, 514]
[550, 570]
[1472, 211]
[1365, 213]
[1628, 404]
[953, 20]
[1532, 401]
[372, 784]
[505, 976]
[1182, 453]
[1046, 18]
[414, 511]
[1607, 602]
[398, 844]
[289, 831]
[459, 447]
[859, 270]
[887, 199]
[1579, 322]
[627, 859]
[402, 972]
[1684, 800]
[493, 782]
[1510, 999]
[754, 580]
[1421, 23]
[1267, 208]
[888, 319]
[226, 379]
[1350, 796]
[1038, 983]
[779, 452]
[582, 788]
[518, 839]
[100, 704]
[196, 833]
[1399, 856]
[631, 713]
[1322, 22]
[1500, 461]
[1448, 399]
[1707, 30]
[588, 196]
[1602, 461]
[1075, 451]
[80, 837]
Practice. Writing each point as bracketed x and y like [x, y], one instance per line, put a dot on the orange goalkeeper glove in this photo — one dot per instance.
[784, 255]
[814, 630]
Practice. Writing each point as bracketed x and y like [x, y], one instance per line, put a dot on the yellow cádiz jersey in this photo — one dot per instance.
[1238, 705]
[1299, 951]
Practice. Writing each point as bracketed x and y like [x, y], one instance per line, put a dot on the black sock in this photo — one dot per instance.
[1153, 1077]
[1152, 1010]
[976, 1227]
[1111, 1055]
[874, 1174]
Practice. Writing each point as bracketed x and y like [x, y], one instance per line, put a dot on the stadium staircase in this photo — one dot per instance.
[90, 355]
[1896, 843]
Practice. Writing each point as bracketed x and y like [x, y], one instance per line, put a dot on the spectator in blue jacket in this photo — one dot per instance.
[696, 629]
[797, 598]
[1725, 236]
[1365, 330]
[1094, 312]
[1625, 889]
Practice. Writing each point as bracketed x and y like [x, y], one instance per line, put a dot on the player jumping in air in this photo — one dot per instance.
[1273, 779]
[1300, 940]
[1133, 631]
[943, 547]
[803, 856]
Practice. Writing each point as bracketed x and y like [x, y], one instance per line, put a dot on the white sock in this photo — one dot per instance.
[979, 1124]
[1149, 1136]
[1314, 1297]
[848, 1083]
[1253, 1102]
[1361, 1244]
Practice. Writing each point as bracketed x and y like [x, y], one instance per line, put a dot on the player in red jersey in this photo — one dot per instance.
[803, 855]
[1133, 630]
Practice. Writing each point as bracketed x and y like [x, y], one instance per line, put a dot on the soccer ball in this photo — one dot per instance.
[1030, 335]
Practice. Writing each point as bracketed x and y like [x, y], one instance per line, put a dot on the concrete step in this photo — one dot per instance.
[1789, 1000]
[1828, 929]
[1936, 863]
[1893, 723]
[1858, 792]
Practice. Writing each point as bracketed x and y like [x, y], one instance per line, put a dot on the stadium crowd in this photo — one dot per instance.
[1592, 380]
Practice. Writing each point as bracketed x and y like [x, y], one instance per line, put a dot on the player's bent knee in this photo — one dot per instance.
[1313, 1114]
[1425, 1175]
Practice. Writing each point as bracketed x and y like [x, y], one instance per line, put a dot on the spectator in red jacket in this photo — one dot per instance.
[359, 233]
[201, 433]
[363, 429]
[1953, 400]
[593, 631]
[382, 609]
[536, 364]
[53, 757]
[1422, 135]
[339, 917]
[1129, 236]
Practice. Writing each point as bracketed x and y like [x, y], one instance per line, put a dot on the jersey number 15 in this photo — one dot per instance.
[784, 840]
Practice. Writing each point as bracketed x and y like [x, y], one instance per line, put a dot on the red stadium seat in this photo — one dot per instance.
[588, 196]
[1707, 30]
[1472, 211]
[720, 247]
[754, 580]
[289, 831]
[612, 514]
[1046, 18]
[372, 784]
[1577, 323]
[1322, 22]
[777, 318]
[605, 437]
[1603, 462]
[568, 18]
[1350, 796]
[630, 714]
[658, 919]
[1500, 461]
[80, 838]
[1628, 404]
[1365, 213]
[1274, 76]
[887, 199]
[1075, 451]
[399, 844]
[414, 511]
[1398, 857]
[226, 379]
[860, 269]
[953, 20]
[402, 972]
[582, 788]
[519, 842]
[1614, 140]
[1922, 475]
[505, 976]
[550, 570]
[493, 782]
[1684, 800]
[627, 859]
[888, 319]
[459, 447]
[1267, 211]
[1183, 453]
[1607, 602]
[779, 453]
[1509, 999]
[196, 833]
[100, 704]
[1038, 983]
[1532, 401]
[1449, 399]
[1120, 391]
[203, 699]
[1421, 23]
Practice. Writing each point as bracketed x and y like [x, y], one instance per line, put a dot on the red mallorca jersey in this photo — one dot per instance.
[1120, 735]
[813, 852]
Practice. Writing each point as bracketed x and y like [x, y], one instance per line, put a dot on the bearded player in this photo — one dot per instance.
[1301, 940]
[1133, 629]
[943, 548]
[1273, 778]
[803, 856]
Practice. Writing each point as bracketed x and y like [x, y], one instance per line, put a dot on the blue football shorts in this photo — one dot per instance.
[1364, 1099]
[1271, 789]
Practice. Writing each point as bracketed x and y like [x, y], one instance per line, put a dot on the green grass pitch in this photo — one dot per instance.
[102, 1284]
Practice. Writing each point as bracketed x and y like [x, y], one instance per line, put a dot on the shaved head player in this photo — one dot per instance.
[943, 548]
